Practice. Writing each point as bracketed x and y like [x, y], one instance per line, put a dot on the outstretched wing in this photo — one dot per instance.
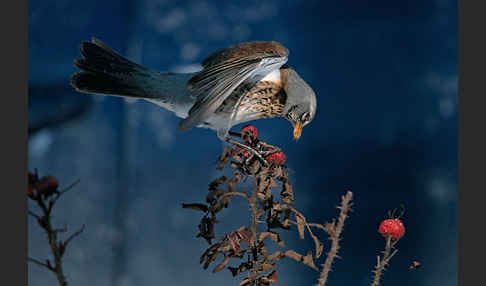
[225, 70]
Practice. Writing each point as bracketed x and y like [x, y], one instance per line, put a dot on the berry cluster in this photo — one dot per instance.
[249, 134]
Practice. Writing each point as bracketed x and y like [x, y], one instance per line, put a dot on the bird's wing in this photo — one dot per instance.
[225, 70]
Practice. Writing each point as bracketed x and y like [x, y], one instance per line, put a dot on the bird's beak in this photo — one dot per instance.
[297, 130]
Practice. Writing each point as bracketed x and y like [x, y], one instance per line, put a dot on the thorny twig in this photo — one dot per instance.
[45, 193]
[383, 262]
[334, 232]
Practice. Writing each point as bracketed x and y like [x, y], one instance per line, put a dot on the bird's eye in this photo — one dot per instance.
[305, 117]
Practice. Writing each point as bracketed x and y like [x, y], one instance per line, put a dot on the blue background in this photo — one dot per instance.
[385, 74]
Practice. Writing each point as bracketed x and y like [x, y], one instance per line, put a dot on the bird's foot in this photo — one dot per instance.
[270, 152]
[250, 149]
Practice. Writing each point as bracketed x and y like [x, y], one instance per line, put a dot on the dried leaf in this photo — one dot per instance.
[234, 270]
[244, 234]
[210, 198]
[222, 265]
[309, 261]
[277, 172]
[212, 257]
[277, 255]
[260, 213]
[218, 206]
[273, 236]
[232, 186]
[217, 192]
[273, 219]
[330, 228]
[245, 282]
[287, 193]
[234, 240]
[263, 251]
[240, 269]
[237, 158]
[261, 196]
[294, 255]
[224, 157]
[198, 207]
[300, 225]
[268, 266]
[206, 229]
[238, 177]
[214, 184]
[318, 244]
[272, 277]
[286, 223]
[254, 167]
[273, 183]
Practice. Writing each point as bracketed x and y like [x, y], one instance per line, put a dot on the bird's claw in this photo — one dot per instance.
[252, 150]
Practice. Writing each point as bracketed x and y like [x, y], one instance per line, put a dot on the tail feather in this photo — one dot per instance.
[103, 71]
[88, 82]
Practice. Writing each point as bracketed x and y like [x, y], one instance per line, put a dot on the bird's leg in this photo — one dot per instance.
[255, 152]
[264, 145]
[224, 136]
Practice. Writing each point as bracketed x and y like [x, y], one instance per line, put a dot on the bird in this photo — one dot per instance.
[239, 83]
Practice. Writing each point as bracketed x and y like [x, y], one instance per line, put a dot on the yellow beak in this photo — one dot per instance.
[297, 131]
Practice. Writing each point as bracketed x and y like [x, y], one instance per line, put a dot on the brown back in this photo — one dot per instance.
[250, 50]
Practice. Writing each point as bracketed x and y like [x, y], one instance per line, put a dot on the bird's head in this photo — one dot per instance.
[301, 103]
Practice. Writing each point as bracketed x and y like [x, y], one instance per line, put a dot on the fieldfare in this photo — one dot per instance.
[237, 84]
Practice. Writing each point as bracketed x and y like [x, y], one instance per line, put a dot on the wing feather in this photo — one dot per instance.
[224, 71]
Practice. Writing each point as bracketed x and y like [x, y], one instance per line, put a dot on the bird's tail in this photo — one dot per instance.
[103, 71]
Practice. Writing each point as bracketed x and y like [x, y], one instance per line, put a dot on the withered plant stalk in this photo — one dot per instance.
[274, 211]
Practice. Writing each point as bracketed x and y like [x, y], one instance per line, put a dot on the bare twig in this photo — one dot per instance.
[34, 215]
[334, 236]
[73, 236]
[60, 193]
[38, 262]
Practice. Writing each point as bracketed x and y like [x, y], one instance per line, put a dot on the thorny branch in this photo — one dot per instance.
[334, 232]
[45, 193]
[381, 263]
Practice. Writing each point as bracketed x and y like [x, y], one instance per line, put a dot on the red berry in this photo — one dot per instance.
[249, 130]
[277, 158]
[239, 151]
[393, 227]
[47, 185]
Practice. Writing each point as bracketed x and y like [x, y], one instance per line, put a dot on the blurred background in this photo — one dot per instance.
[385, 74]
